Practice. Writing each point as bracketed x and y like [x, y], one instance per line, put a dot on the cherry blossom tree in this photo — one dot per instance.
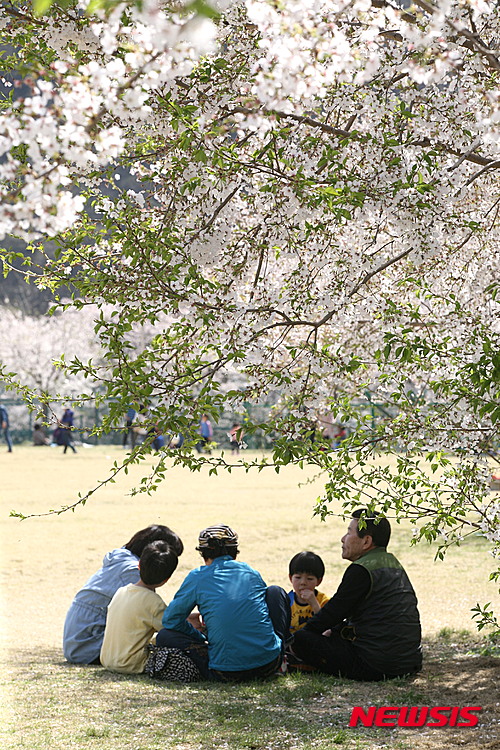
[305, 196]
[33, 358]
[38, 345]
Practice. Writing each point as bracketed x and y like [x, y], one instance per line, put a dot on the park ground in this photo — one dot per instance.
[50, 704]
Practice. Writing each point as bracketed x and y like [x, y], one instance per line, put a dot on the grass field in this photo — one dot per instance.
[45, 560]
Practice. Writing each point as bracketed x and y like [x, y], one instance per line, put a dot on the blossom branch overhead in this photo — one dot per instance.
[292, 204]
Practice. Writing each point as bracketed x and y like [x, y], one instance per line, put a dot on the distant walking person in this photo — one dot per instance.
[235, 436]
[66, 427]
[129, 430]
[206, 434]
[4, 422]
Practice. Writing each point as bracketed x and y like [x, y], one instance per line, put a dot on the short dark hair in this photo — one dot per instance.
[375, 525]
[157, 563]
[307, 562]
[209, 553]
[154, 533]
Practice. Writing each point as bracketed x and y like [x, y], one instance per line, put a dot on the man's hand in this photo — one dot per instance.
[195, 620]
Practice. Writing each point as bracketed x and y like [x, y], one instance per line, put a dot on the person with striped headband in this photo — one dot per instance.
[246, 623]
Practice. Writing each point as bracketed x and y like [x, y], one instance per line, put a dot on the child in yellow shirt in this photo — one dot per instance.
[136, 611]
[305, 571]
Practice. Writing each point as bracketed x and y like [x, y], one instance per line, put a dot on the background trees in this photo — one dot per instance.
[304, 195]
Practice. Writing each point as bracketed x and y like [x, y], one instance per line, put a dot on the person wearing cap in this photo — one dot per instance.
[247, 623]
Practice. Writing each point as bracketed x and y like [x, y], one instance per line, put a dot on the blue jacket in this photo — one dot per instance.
[4, 417]
[231, 597]
[67, 418]
[86, 618]
[206, 430]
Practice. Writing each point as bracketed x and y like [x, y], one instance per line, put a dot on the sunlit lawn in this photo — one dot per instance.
[45, 560]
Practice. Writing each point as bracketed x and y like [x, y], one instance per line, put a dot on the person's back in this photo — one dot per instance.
[386, 622]
[135, 612]
[246, 622]
[231, 597]
[134, 615]
[86, 617]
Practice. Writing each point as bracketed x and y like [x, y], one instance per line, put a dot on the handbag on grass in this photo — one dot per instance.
[166, 663]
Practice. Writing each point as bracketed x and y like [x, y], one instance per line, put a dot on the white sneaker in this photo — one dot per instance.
[283, 668]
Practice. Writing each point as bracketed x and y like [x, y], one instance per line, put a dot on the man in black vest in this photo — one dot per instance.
[370, 628]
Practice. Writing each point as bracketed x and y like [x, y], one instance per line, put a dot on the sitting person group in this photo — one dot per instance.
[225, 624]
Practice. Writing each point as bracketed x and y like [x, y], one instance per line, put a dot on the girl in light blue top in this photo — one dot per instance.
[86, 618]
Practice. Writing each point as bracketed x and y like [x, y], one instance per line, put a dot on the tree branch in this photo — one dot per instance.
[345, 133]
[474, 40]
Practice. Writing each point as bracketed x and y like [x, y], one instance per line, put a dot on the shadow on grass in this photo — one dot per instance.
[108, 711]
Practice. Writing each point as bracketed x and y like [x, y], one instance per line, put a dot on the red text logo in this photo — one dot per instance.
[415, 716]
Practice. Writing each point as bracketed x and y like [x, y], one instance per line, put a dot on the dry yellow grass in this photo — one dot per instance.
[45, 560]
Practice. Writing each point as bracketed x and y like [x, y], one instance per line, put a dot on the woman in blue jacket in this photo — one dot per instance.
[86, 618]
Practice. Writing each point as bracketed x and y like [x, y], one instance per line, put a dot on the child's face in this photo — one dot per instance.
[304, 582]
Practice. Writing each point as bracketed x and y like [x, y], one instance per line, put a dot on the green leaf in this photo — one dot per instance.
[203, 9]
[40, 7]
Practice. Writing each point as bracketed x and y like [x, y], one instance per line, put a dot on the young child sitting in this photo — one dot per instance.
[305, 571]
[136, 610]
